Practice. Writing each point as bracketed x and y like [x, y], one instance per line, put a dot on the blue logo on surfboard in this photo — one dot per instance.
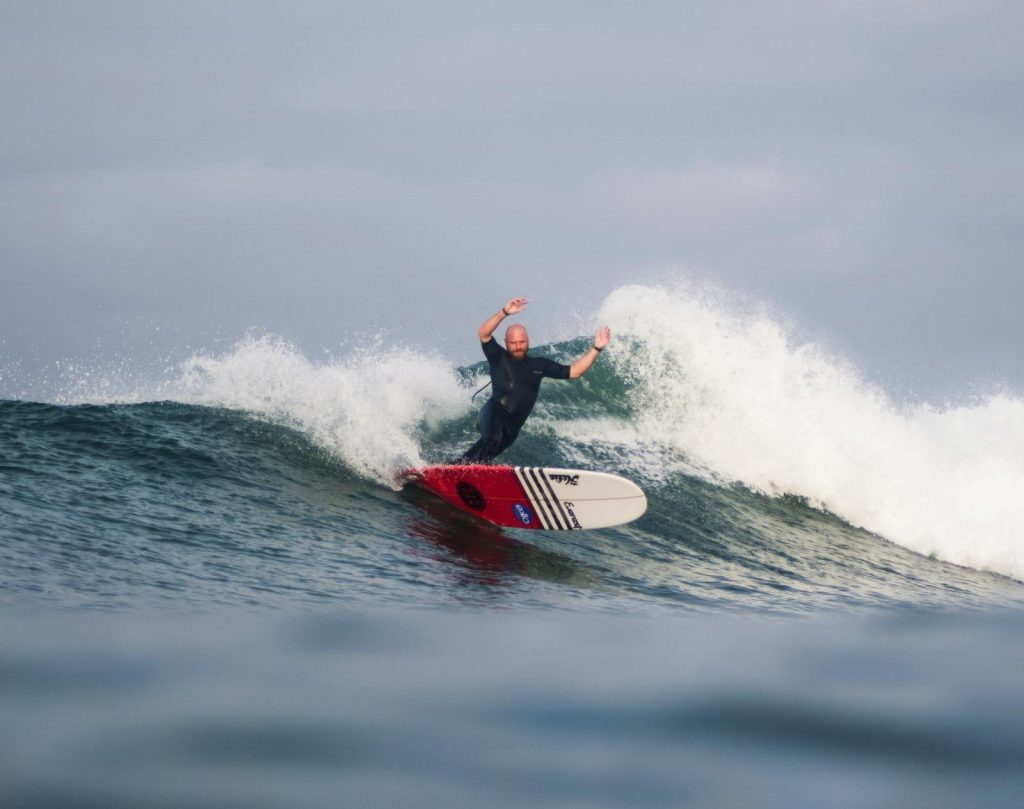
[522, 513]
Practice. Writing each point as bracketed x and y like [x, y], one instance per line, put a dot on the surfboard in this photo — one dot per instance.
[534, 497]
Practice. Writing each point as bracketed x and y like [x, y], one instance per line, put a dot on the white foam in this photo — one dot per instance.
[364, 407]
[737, 396]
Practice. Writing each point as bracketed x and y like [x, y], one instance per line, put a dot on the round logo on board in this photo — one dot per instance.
[470, 495]
[522, 513]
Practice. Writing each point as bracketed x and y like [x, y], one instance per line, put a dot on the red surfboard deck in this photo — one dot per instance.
[534, 498]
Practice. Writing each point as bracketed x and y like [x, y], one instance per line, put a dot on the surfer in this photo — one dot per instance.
[516, 378]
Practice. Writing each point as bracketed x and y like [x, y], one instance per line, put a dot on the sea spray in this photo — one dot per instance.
[364, 407]
[736, 395]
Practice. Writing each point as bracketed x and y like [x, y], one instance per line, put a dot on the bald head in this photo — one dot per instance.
[517, 341]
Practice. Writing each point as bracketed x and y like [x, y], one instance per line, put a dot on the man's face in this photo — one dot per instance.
[517, 342]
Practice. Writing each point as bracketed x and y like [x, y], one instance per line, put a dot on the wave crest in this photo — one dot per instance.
[735, 395]
[364, 407]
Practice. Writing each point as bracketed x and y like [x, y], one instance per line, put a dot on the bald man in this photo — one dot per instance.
[516, 378]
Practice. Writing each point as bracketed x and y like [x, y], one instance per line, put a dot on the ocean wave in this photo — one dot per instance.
[736, 396]
[689, 386]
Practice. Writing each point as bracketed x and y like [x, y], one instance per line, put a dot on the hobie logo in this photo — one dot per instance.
[522, 513]
[568, 480]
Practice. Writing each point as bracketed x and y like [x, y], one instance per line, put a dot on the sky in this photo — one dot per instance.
[174, 175]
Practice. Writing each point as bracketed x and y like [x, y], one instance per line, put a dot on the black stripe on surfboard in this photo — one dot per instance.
[555, 500]
[537, 477]
[539, 500]
[545, 520]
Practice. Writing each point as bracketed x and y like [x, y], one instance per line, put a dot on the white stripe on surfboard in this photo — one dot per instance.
[554, 499]
[538, 500]
[538, 489]
[545, 522]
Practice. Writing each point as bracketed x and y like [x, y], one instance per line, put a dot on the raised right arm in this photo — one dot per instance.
[487, 328]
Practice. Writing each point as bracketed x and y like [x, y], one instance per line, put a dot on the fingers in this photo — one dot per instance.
[602, 337]
[516, 304]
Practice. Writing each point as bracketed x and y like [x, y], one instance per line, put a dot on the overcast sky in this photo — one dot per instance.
[177, 173]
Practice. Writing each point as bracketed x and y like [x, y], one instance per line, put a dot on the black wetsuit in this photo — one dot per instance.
[516, 384]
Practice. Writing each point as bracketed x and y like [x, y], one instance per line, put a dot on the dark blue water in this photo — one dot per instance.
[220, 600]
[497, 708]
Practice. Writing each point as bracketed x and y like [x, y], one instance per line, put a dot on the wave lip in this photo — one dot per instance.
[739, 398]
[365, 407]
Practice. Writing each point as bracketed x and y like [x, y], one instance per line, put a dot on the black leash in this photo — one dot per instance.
[478, 393]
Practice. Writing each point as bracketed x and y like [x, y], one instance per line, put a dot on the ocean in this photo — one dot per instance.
[215, 594]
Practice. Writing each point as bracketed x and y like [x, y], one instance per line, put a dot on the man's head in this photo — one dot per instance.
[517, 341]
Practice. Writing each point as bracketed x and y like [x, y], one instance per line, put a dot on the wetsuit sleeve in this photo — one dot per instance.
[555, 370]
[491, 349]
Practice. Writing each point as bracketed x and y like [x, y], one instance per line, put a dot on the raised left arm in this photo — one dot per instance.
[582, 365]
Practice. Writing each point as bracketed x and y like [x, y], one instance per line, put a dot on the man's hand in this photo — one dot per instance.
[582, 365]
[515, 306]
